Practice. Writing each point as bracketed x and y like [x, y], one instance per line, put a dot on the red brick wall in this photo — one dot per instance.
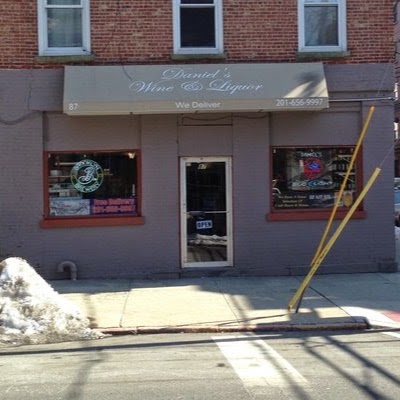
[140, 31]
[370, 30]
[137, 31]
[18, 33]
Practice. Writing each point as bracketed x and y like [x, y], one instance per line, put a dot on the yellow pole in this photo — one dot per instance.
[323, 253]
[342, 187]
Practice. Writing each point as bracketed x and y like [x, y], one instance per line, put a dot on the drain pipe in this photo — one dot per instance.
[71, 266]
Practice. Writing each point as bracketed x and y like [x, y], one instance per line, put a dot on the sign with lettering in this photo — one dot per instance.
[150, 89]
[69, 207]
[204, 224]
[293, 200]
[112, 206]
[87, 176]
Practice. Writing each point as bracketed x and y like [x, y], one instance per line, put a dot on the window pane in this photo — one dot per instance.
[305, 178]
[197, 1]
[319, 2]
[64, 2]
[92, 184]
[321, 26]
[197, 27]
[64, 27]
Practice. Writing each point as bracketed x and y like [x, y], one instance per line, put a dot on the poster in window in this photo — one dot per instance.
[311, 178]
[310, 171]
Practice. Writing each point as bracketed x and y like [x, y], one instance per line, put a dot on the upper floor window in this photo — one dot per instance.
[63, 27]
[322, 25]
[198, 26]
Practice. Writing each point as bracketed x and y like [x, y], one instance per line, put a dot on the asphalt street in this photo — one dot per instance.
[290, 365]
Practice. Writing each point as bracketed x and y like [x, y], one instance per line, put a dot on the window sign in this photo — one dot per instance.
[86, 176]
[92, 184]
[204, 224]
[113, 206]
[308, 178]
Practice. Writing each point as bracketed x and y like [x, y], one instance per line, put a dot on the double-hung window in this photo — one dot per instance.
[64, 27]
[198, 27]
[322, 25]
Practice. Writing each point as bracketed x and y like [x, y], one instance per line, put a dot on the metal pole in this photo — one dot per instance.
[340, 194]
[344, 182]
[324, 252]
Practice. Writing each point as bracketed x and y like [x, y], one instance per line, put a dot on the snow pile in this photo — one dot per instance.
[31, 311]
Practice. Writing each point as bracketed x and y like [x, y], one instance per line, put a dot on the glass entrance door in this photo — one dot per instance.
[206, 219]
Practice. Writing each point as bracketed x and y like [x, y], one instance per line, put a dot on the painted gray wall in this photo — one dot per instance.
[31, 122]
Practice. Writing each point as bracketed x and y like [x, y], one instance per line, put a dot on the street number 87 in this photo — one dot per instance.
[72, 106]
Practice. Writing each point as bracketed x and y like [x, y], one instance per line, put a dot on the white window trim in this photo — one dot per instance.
[218, 49]
[44, 50]
[342, 30]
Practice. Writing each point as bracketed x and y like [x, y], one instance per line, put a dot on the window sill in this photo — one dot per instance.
[312, 215]
[307, 55]
[90, 222]
[61, 59]
[183, 57]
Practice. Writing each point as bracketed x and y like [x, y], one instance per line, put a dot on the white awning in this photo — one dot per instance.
[160, 89]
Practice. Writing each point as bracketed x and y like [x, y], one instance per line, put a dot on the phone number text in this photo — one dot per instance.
[302, 102]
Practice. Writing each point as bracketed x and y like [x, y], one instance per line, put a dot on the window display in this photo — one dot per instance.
[309, 178]
[93, 184]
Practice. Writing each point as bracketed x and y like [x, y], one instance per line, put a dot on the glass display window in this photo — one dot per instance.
[306, 178]
[92, 184]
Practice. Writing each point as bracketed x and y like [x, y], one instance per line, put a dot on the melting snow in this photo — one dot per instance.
[32, 312]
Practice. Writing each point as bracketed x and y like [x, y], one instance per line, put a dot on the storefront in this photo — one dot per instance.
[181, 170]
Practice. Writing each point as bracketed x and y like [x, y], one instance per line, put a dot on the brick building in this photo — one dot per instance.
[185, 137]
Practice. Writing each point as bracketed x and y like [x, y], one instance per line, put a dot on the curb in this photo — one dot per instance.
[140, 330]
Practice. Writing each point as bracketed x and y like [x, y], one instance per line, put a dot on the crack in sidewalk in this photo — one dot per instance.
[130, 285]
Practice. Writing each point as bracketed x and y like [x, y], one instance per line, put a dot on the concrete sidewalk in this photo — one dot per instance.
[354, 301]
